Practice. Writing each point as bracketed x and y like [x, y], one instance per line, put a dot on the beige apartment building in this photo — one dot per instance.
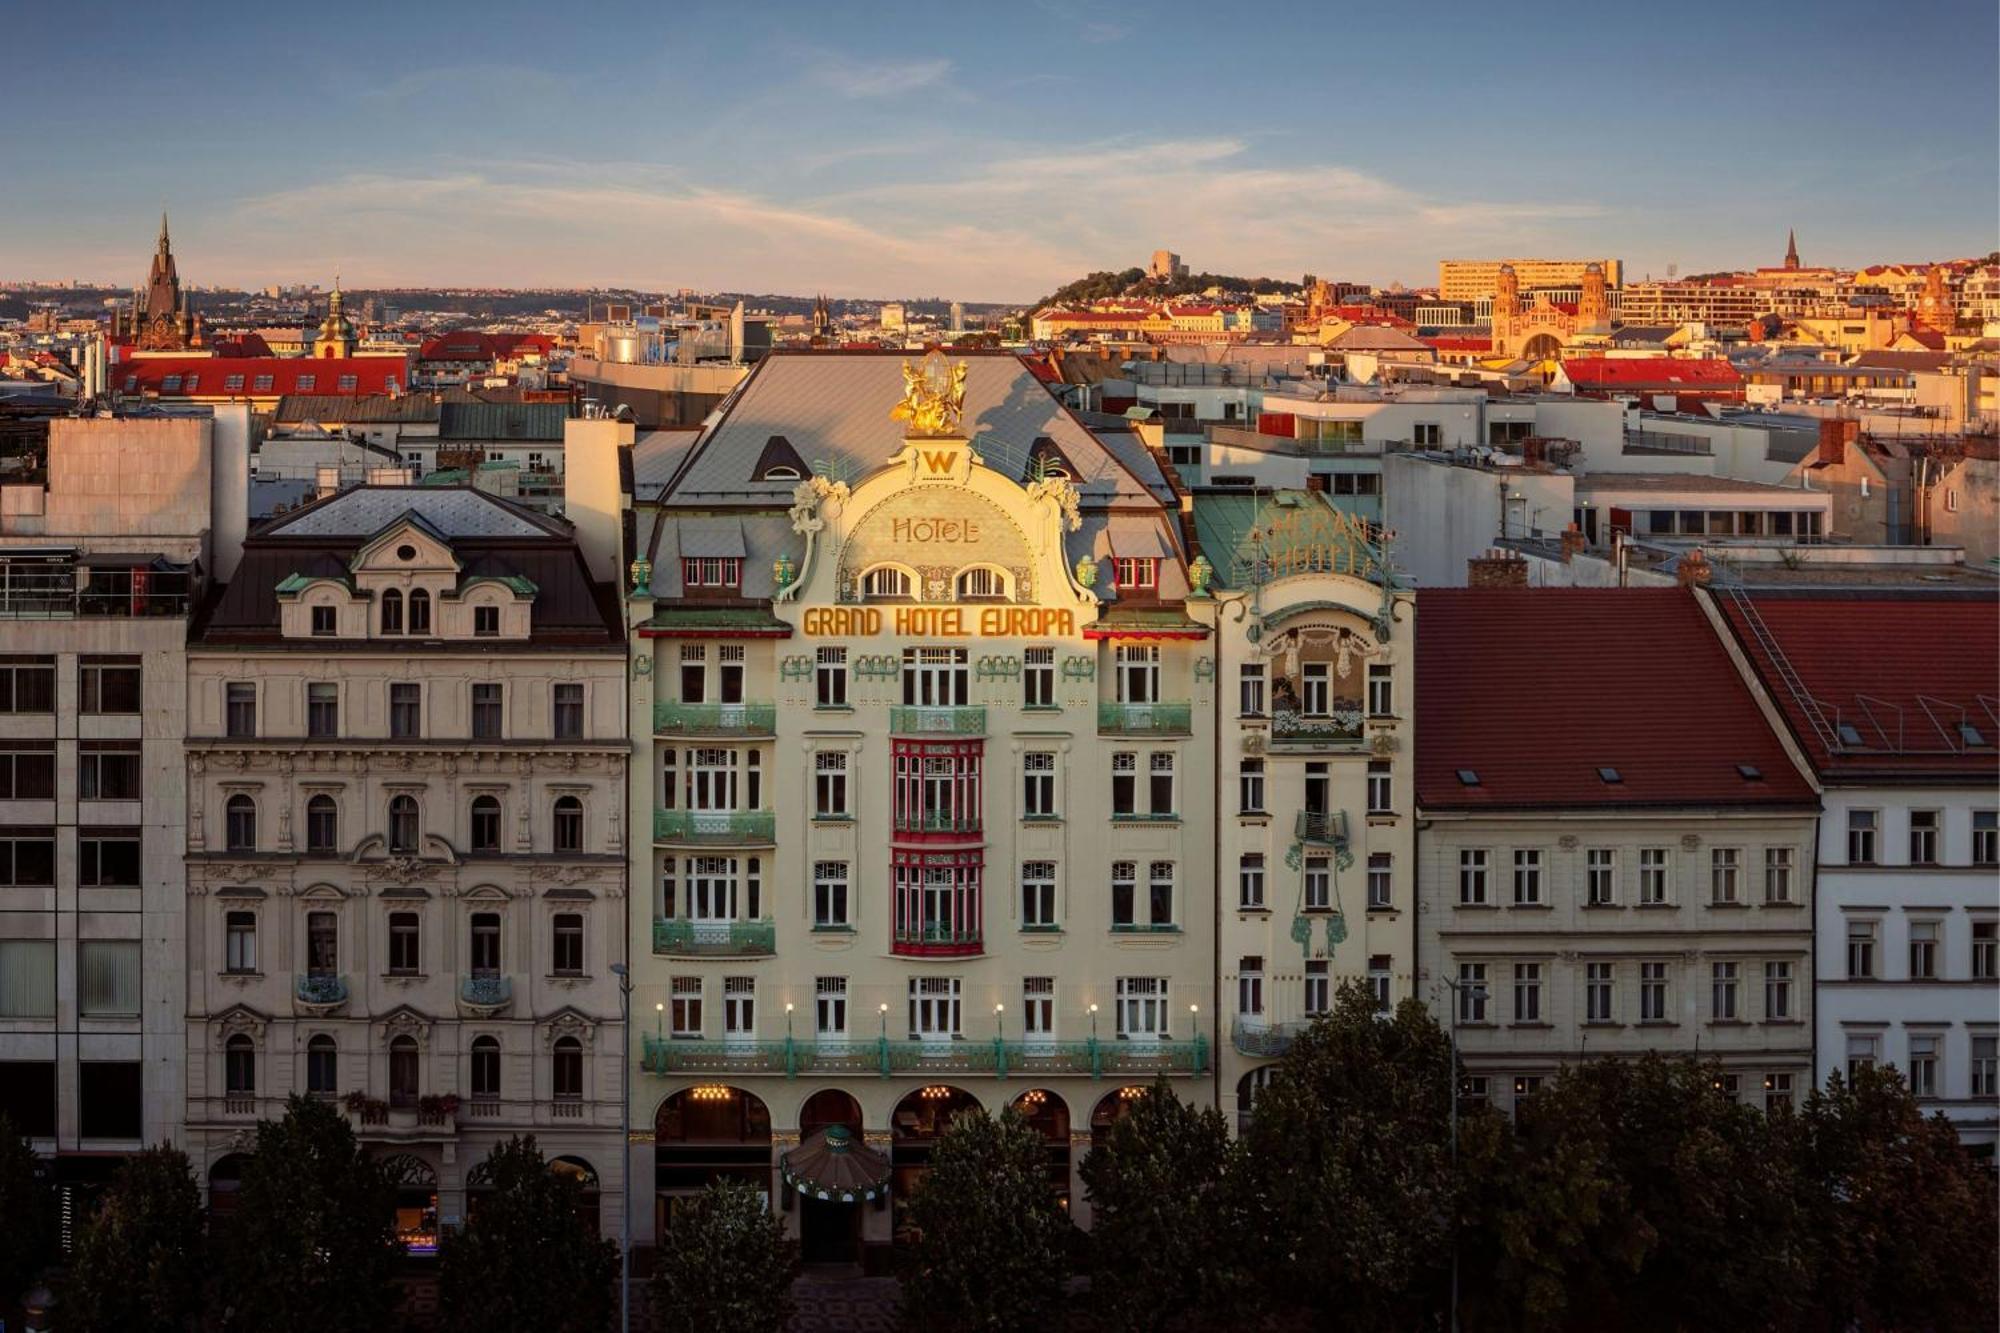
[1315, 818]
[1479, 279]
[1615, 859]
[918, 672]
[406, 847]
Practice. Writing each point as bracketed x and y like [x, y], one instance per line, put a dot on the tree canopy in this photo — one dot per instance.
[138, 1262]
[521, 1208]
[725, 1262]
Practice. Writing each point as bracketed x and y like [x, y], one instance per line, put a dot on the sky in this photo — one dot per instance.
[984, 152]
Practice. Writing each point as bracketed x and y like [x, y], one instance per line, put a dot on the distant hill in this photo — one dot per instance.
[1134, 282]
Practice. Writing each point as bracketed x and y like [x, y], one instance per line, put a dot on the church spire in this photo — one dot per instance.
[1791, 248]
[163, 231]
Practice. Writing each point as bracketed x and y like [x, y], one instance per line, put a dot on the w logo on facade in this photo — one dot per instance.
[939, 462]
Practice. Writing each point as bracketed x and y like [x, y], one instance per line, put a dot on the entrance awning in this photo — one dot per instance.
[830, 1165]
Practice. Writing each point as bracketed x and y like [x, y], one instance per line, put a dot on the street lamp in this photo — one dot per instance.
[1093, 1022]
[1477, 990]
[619, 971]
[659, 1020]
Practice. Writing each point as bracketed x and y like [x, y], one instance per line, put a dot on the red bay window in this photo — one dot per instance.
[938, 902]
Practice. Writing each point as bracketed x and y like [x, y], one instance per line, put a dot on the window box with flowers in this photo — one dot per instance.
[438, 1110]
[368, 1110]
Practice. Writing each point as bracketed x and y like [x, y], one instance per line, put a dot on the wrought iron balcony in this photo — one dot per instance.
[718, 827]
[722, 939]
[1323, 827]
[1145, 719]
[486, 992]
[320, 991]
[934, 822]
[885, 1058]
[672, 718]
[1341, 725]
[909, 720]
[1270, 1040]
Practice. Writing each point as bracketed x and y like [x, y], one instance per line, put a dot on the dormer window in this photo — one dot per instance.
[420, 612]
[982, 584]
[323, 622]
[392, 612]
[1136, 573]
[711, 572]
[486, 622]
[306, 383]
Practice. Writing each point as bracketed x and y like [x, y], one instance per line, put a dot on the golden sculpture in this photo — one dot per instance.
[933, 397]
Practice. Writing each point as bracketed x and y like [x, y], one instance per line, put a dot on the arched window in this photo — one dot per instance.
[392, 612]
[420, 612]
[322, 824]
[486, 1068]
[239, 1067]
[240, 820]
[569, 824]
[403, 824]
[780, 472]
[886, 581]
[568, 1061]
[983, 583]
[485, 823]
[403, 1072]
[322, 1066]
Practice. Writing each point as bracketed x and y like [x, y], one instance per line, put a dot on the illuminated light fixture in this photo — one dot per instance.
[935, 1092]
[1131, 1094]
[711, 1092]
[1033, 1097]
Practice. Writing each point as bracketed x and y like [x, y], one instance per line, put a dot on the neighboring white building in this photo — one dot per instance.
[1893, 699]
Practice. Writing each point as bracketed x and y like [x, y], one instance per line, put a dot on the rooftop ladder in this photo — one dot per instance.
[1783, 667]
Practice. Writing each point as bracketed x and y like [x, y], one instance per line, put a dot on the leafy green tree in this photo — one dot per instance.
[1163, 1238]
[312, 1242]
[991, 1244]
[1902, 1219]
[27, 1214]
[138, 1262]
[727, 1264]
[1350, 1198]
[526, 1210]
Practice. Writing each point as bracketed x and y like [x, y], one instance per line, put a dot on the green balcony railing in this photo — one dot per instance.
[724, 939]
[909, 720]
[937, 823]
[1145, 719]
[1340, 725]
[1270, 1040]
[714, 826]
[1324, 827]
[671, 718]
[886, 1058]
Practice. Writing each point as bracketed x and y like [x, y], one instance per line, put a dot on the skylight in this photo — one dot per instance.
[1467, 777]
[1750, 772]
[1971, 735]
[1849, 734]
[1610, 774]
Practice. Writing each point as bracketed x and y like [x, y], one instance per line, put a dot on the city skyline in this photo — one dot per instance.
[985, 156]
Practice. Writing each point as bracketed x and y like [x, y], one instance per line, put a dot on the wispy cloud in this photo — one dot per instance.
[865, 79]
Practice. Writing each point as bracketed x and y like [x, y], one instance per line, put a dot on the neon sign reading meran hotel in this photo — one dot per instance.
[949, 622]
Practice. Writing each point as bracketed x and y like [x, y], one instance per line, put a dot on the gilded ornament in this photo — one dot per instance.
[933, 397]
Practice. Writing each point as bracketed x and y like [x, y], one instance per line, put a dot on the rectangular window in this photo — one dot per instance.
[1862, 1052]
[1038, 895]
[324, 622]
[1861, 837]
[1250, 786]
[406, 710]
[405, 944]
[1986, 837]
[106, 771]
[107, 857]
[1381, 879]
[322, 710]
[830, 678]
[486, 711]
[1038, 1008]
[1652, 876]
[1317, 895]
[739, 1006]
[1379, 981]
[684, 1010]
[240, 709]
[27, 684]
[1160, 893]
[239, 942]
[566, 944]
[1250, 690]
[1250, 881]
[1600, 877]
[1250, 986]
[1777, 992]
[484, 955]
[1137, 671]
[27, 769]
[830, 894]
[1924, 837]
[108, 978]
[1923, 950]
[694, 673]
[27, 979]
[1723, 988]
[1381, 691]
[1599, 993]
[1316, 690]
[1379, 786]
[108, 685]
[1142, 1009]
[1136, 574]
[567, 706]
[1861, 949]
[1722, 876]
[1124, 783]
[1124, 893]
[1472, 877]
[1038, 784]
[830, 1008]
[935, 1008]
[1528, 993]
[1528, 877]
[830, 785]
[729, 672]
[1986, 1066]
[1319, 988]
[1472, 992]
[1777, 874]
[1038, 678]
[1777, 1092]
[486, 622]
[1924, 1059]
[1653, 993]
[1985, 950]
[27, 856]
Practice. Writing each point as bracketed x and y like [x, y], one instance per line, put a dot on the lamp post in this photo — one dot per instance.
[1478, 991]
[625, 1151]
[660, 1020]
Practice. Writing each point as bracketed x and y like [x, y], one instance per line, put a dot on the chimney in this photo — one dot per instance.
[1534, 450]
[1498, 568]
[1572, 542]
[1316, 481]
[1835, 434]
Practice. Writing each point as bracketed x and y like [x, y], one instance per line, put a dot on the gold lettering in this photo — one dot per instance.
[940, 460]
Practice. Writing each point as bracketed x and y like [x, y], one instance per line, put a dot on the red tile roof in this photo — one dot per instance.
[1461, 344]
[242, 344]
[472, 345]
[215, 376]
[1903, 671]
[1651, 372]
[1535, 689]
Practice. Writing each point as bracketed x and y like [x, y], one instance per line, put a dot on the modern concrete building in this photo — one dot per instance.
[1892, 699]
[100, 569]
[1616, 849]
[406, 846]
[930, 810]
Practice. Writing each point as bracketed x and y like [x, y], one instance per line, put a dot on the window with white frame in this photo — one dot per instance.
[1985, 1064]
[1861, 935]
[240, 942]
[1600, 993]
[1986, 837]
[1528, 993]
[1381, 691]
[830, 785]
[1136, 669]
[830, 678]
[729, 670]
[1863, 1050]
[1160, 894]
[712, 779]
[1142, 1009]
[1124, 783]
[1600, 877]
[1472, 992]
[1381, 879]
[1653, 993]
[1923, 950]
[684, 1013]
[1038, 895]
[830, 1008]
[1160, 783]
[1250, 881]
[1250, 689]
[1379, 978]
[1250, 786]
[1652, 876]
[1250, 986]
[1924, 837]
[1472, 877]
[935, 1004]
[1318, 884]
[886, 581]
[694, 673]
[739, 1006]
[1723, 867]
[1985, 949]
[1038, 784]
[1316, 689]
[1777, 992]
[1319, 988]
[1777, 874]
[1723, 986]
[1380, 785]
[1038, 1008]
[829, 895]
[1861, 837]
[1528, 877]
[1038, 677]
[1926, 1054]
[982, 583]
[936, 677]
[1124, 893]
[1136, 573]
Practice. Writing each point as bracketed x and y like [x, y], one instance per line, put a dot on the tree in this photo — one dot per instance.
[312, 1242]
[27, 1214]
[138, 1262]
[1902, 1219]
[991, 1247]
[1163, 1239]
[526, 1210]
[727, 1264]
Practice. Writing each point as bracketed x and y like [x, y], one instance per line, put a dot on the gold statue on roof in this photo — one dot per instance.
[933, 396]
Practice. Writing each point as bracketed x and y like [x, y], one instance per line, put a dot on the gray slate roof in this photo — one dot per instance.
[454, 512]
